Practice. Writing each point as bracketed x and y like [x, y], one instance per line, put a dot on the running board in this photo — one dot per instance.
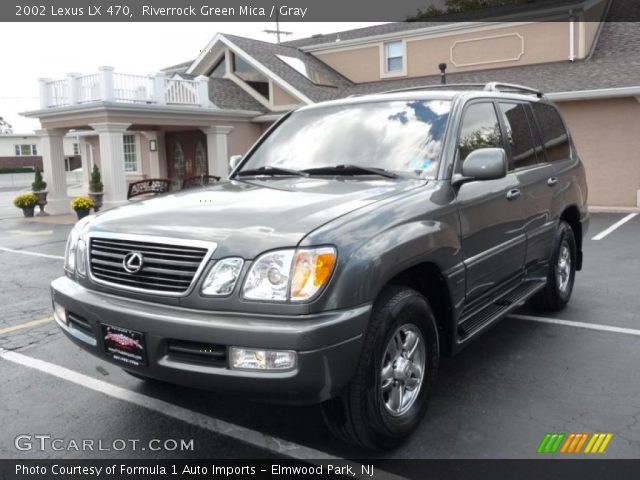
[473, 323]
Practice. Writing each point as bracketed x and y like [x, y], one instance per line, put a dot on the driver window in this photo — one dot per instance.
[480, 129]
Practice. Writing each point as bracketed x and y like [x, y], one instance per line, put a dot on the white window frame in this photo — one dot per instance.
[17, 150]
[136, 152]
[384, 72]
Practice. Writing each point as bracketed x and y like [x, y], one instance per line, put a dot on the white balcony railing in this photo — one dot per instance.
[106, 85]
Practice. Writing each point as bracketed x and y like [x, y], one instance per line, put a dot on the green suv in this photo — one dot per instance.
[357, 242]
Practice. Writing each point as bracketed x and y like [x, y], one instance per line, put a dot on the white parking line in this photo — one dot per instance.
[616, 225]
[34, 254]
[571, 323]
[220, 427]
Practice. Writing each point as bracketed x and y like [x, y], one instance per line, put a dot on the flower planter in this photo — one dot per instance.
[97, 200]
[28, 211]
[82, 212]
[42, 201]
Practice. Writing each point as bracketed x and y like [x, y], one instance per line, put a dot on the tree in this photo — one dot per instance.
[5, 127]
[95, 185]
[38, 185]
[463, 6]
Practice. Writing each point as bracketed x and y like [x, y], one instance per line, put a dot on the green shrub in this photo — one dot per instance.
[25, 200]
[82, 203]
[38, 184]
[95, 185]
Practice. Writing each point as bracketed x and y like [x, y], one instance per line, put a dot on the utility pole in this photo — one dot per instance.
[277, 31]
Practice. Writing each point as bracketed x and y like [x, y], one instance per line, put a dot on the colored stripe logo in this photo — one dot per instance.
[573, 443]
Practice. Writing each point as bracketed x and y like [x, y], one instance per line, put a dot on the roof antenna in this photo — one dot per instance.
[277, 31]
[443, 74]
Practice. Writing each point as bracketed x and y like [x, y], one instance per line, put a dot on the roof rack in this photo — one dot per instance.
[487, 87]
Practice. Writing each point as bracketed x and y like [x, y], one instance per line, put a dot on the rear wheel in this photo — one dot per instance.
[390, 391]
[561, 273]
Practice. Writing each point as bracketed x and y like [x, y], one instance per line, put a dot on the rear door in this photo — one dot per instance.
[535, 175]
[492, 212]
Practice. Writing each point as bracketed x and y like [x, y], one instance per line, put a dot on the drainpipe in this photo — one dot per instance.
[572, 40]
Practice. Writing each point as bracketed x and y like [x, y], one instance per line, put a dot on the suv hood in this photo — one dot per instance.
[248, 217]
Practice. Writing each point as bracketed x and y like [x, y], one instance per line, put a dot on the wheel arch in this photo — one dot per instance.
[571, 215]
[428, 279]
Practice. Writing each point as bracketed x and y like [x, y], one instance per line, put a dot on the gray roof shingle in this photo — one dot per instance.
[226, 94]
[265, 53]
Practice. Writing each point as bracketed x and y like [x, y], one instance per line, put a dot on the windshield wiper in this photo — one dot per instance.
[270, 170]
[350, 169]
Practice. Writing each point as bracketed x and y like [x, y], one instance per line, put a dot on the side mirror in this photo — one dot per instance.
[234, 160]
[483, 164]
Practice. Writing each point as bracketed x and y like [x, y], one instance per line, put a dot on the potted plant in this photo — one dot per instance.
[96, 188]
[27, 202]
[39, 187]
[82, 206]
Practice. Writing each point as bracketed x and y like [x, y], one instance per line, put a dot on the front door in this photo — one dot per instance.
[492, 212]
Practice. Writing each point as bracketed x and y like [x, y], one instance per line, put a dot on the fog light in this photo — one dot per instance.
[252, 359]
[60, 312]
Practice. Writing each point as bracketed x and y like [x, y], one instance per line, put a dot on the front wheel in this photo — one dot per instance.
[561, 273]
[390, 391]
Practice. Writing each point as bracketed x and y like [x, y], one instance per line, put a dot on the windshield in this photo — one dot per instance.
[399, 136]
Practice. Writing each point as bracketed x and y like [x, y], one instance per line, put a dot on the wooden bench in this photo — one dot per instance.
[150, 186]
[200, 181]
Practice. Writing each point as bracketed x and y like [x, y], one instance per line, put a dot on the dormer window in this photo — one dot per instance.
[252, 77]
[220, 69]
[394, 57]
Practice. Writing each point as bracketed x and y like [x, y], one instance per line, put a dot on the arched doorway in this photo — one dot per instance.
[178, 167]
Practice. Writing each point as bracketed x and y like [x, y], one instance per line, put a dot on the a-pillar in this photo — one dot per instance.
[53, 166]
[157, 159]
[112, 169]
[218, 150]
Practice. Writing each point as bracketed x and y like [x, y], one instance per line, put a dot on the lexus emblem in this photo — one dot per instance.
[133, 262]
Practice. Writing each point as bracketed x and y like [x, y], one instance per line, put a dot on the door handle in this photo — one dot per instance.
[513, 194]
[552, 181]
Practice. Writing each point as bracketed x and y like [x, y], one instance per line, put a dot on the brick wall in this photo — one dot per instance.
[18, 162]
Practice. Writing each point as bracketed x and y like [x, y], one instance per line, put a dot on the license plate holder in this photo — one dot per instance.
[124, 345]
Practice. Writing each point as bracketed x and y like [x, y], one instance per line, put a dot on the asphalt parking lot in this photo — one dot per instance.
[575, 371]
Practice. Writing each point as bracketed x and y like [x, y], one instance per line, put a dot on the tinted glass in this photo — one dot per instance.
[402, 136]
[554, 135]
[251, 76]
[519, 134]
[480, 129]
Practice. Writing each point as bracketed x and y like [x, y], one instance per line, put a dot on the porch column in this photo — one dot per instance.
[112, 162]
[218, 150]
[157, 159]
[86, 164]
[52, 151]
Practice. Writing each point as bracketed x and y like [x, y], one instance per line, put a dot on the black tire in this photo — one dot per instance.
[360, 415]
[555, 296]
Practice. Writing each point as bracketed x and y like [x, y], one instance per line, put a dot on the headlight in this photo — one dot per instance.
[81, 257]
[222, 278]
[71, 253]
[295, 275]
[268, 278]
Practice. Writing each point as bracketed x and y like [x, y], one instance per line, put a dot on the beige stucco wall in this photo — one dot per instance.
[607, 136]
[243, 137]
[283, 98]
[358, 65]
[523, 44]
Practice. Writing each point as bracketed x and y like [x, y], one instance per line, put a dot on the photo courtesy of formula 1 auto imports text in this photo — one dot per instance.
[304, 239]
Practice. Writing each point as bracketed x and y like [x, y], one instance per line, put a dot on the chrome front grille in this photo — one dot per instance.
[166, 266]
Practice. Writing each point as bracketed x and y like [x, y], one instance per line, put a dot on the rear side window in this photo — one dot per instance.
[480, 129]
[519, 134]
[554, 135]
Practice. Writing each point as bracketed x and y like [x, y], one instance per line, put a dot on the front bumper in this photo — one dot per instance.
[328, 344]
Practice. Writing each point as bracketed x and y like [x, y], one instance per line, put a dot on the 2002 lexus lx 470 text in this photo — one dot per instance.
[357, 242]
